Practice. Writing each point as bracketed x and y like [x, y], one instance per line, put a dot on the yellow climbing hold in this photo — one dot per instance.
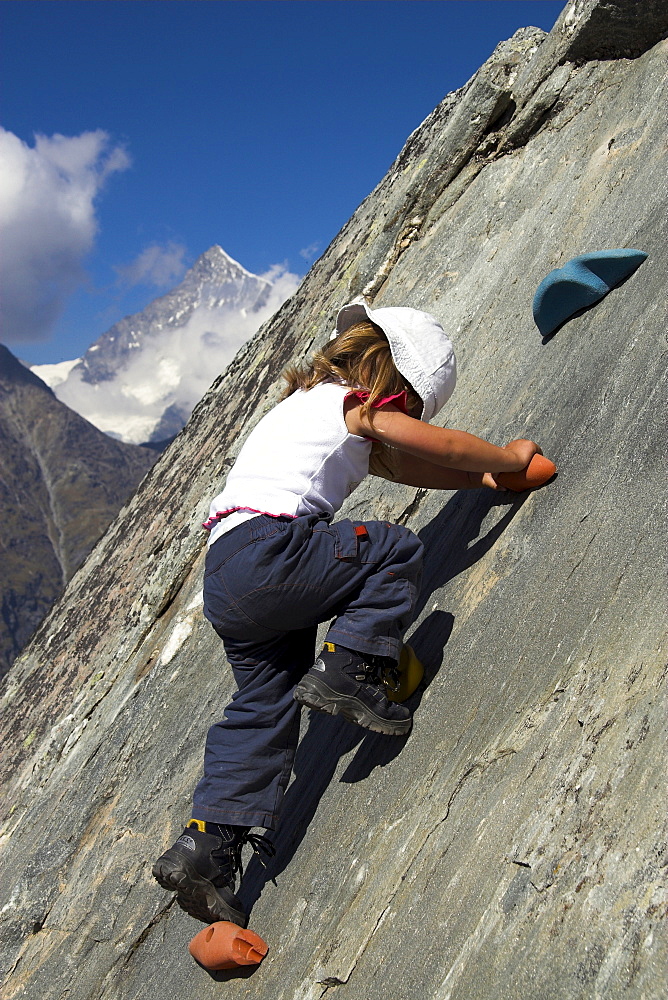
[411, 673]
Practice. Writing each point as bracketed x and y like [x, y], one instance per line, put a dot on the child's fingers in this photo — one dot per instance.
[489, 481]
[524, 449]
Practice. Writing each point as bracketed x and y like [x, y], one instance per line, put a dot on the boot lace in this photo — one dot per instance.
[259, 843]
[382, 671]
[391, 677]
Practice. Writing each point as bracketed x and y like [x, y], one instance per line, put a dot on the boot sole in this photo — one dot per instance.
[314, 693]
[195, 894]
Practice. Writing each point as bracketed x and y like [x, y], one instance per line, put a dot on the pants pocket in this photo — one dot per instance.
[346, 539]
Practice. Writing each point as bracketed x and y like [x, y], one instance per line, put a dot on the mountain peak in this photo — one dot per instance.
[217, 259]
[13, 372]
[144, 375]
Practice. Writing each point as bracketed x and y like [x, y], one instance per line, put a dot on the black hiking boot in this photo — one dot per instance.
[343, 682]
[201, 868]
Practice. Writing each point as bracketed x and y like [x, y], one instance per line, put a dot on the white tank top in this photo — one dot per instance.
[299, 459]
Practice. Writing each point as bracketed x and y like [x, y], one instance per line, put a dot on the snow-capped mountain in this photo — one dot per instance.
[141, 379]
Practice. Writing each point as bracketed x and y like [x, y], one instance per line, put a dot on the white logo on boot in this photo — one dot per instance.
[187, 842]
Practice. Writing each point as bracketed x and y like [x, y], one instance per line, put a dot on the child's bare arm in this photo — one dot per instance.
[400, 467]
[450, 449]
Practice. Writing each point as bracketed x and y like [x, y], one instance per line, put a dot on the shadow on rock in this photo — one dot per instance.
[327, 739]
[428, 641]
[226, 975]
[451, 539]
[448, 552]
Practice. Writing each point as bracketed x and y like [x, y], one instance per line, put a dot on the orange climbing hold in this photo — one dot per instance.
[537, 472]
[224, 945]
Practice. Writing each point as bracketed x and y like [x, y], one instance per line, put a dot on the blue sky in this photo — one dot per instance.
[256, 125]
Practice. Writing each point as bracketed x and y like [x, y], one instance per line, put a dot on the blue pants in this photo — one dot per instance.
[268, 583]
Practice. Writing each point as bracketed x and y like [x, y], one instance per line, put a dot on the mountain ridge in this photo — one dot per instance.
[61, 482]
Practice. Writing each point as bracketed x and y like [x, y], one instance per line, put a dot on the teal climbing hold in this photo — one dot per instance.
[581, 282]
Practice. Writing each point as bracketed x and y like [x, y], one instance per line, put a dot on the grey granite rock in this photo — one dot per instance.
[512, 847]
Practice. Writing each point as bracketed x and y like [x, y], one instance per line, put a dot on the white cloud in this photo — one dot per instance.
[48, 222]
[158, 266]
[310, 252]
[172, 368]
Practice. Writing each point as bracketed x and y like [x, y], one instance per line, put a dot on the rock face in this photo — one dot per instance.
[512, 846]
[61, 483]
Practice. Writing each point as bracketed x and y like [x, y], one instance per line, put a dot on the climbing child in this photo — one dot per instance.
[278, 565]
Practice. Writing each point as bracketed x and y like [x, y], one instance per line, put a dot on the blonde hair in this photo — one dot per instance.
[359, 357]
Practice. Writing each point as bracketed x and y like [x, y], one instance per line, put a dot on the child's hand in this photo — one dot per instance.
[489, 481]
[524, 450]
